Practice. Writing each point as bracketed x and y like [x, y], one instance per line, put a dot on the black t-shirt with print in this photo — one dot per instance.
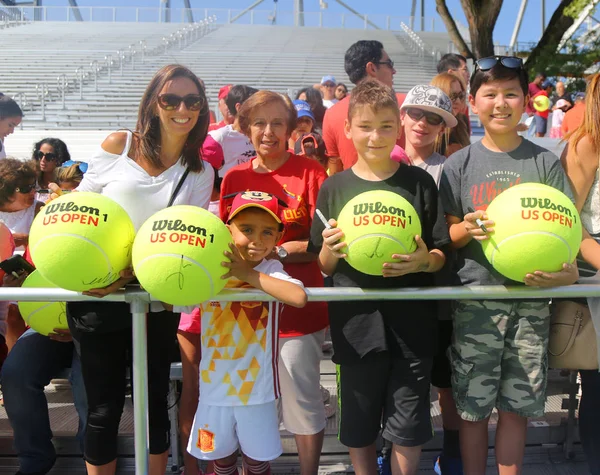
[408, 329]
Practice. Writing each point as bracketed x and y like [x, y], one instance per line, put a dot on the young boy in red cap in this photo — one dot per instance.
[239, 382]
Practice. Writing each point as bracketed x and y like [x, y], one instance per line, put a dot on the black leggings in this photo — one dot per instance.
[104, 360]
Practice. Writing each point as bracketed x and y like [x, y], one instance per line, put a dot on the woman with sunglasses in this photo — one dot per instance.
[50, 153]
[142, 171]
[18, 207]
[453, 139]
[580, 161]
[11, 116]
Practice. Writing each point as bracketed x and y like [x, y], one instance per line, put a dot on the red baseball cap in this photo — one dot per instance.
[255, 199]
[224, 91]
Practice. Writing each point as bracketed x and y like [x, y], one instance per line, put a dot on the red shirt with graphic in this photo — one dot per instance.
[296, 182]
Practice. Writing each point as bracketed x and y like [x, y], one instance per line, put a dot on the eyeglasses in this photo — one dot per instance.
[26, 188]
[430, 117]
[457, 96]
[388, 62]
[510, 62]
[50, 156]
[171, 102]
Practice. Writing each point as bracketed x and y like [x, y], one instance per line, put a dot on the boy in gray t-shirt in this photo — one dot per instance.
[499, 349]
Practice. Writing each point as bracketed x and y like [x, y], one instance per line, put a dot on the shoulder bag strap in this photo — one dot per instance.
[178, 187]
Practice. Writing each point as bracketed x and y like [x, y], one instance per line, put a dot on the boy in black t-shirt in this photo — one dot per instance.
[383, 349]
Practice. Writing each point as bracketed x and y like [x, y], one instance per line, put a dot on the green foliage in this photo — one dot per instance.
[575, 8]
[572, 62]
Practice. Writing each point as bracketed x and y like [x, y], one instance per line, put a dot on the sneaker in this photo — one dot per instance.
[448, 466]
[327, 346]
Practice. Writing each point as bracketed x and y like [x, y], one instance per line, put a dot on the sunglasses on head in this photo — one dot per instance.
[510, 62]
[50, 156]
[26, 188]
[430, 117]
[170, 102]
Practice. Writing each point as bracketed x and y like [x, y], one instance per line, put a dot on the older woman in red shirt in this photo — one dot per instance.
[268, 119]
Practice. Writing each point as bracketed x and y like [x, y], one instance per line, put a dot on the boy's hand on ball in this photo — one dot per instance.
[238, 267]
[568, 275]
[332, 239]
[474, 228]
[418, 261]
[10, 280]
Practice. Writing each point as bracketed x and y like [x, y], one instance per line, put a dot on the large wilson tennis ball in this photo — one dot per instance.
[377, 224]
[537, 227]
[177, 255]
[43, 317]
[81, 241]
[541, 103]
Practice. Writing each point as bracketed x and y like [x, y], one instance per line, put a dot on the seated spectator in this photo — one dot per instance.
[30, 366]
[227, 118]
[49, 154]
[18, 207]
[314, 98]
[341, 91]
[574, 116]
[227, 147]
[70, 175]
[304, 123]
[312, 146]
[558, 116]
[328, 87]
[11, 116]
[455, 138]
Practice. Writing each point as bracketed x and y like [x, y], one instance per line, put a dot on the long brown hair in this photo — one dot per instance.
[460, 133]
[148, 125]
[591, 118]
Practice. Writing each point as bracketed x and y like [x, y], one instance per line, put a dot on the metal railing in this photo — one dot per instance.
[322, 18]
[88, 73]
[139, 301]
[416, 44]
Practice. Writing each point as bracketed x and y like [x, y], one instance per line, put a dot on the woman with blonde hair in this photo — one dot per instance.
[453, 139]
[580, 160]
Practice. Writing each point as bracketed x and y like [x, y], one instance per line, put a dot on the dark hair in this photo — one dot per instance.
[148, 125]
[498, 73]
[357, 57]
[450, 61]
[9, 107]
[238, 95]
[13, 174]
[540, 75]
[315, 100]
[343, 85]
[372, 93]
[60, 149]
[261, 99]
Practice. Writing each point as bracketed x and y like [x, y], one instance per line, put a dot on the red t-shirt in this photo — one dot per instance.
[573, 118]
[296, 182]
[545, 113]
[336, 142]
[533, 89]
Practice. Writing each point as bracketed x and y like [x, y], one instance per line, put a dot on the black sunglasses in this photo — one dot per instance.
[388, 62]
[510, 62]
[170, 102]
[50, 156]
[457, 96]
[25, 188]
[430, 117]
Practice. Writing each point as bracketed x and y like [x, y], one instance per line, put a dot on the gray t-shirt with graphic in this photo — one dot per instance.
[474, 176]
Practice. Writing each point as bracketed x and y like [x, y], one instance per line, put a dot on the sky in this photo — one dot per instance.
[531, 29]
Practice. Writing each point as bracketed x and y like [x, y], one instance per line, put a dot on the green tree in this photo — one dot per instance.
[481, 18]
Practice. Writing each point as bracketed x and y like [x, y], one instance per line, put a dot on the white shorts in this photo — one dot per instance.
[301, 405]
[218, 431]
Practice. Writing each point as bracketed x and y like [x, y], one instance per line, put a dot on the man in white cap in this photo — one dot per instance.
[328, 85]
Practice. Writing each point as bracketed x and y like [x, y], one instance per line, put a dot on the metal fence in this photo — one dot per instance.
[323, 18]
[139, 301]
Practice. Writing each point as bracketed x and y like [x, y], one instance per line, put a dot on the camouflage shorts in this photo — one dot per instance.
[498, 357]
